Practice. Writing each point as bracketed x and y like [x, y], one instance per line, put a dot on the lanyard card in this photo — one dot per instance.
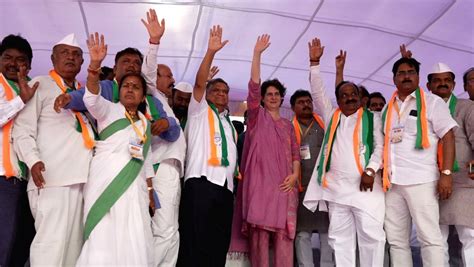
[397, 134]
[305, 153]
[136, 148]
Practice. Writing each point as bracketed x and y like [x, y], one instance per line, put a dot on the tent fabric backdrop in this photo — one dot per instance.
[370, 30]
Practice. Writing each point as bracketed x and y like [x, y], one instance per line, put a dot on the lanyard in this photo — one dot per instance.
[140, 135]
[395, 106]
[303, 135]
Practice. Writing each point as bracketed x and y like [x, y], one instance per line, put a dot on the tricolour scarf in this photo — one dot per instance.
[152, 113]
[11, 90]
[217, 137]
[422, 140]
[82, 127]
[299, 136]
[452, 109]
[363, 130]
[115, 92]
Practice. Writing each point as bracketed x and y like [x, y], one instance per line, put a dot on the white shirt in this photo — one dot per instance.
[411, 166]
[8, 111]
[343, 177]
[199, 146]
[161, 148]
[41, 134]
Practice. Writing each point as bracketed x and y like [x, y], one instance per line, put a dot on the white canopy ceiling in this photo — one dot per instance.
[370, 31]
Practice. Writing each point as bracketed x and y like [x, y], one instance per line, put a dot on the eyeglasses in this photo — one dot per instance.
[405, 73]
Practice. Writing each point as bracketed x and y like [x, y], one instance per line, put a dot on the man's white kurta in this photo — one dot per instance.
[343, 177]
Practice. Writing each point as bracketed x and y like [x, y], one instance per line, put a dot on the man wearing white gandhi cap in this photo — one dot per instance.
[457, 210]
[57, 148]
[180, 101]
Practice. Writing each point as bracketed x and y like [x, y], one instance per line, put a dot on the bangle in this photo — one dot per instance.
[149, 40]
[149, 188]
[314, 61]
[89, 69]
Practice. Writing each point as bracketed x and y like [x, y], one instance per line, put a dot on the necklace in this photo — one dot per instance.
[133, 115]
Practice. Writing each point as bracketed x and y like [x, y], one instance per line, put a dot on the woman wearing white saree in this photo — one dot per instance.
[117, 228]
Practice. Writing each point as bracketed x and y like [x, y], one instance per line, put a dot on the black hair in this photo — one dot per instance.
[128, 51]
[412, 62]
[297, 94]
[19, 43]
[430, 76]
[275, 83]
[363, 91]
[338, 87]
[142, 105]
[464, 76]
[210, 84]
[104, 72]
[239, 127]
[376, 95]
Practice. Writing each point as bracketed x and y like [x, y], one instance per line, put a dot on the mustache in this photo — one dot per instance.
[15, 69]
[406, 81]
[350, 101]
[443, 86]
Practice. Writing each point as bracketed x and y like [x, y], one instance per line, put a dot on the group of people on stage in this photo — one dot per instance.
[91, 174]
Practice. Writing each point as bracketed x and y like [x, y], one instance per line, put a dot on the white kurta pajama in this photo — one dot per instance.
[166, 181]
[123, 236]
[351, 211]
[41, 134]
[414, 175]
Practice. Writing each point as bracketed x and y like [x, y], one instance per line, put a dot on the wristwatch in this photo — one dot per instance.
[370, 173]
[447, 172]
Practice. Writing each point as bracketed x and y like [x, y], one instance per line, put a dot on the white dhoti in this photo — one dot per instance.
[58, 222]
[165, 221]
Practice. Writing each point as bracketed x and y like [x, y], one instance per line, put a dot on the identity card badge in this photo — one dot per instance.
[136, 148]
[305, 153]
[397, 134]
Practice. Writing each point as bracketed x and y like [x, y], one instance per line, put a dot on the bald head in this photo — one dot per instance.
[165, 80]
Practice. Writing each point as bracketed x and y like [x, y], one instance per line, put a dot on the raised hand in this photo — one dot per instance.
[97, 48]
[315, 50]
[404, 52]
[263, 42]
[341, 59]
[215, 39]
[214, 70]
[153, 26]
[26, 92]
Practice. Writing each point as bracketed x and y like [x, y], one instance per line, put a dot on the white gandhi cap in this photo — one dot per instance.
[184, 87]
[70, 40]
[440, 68]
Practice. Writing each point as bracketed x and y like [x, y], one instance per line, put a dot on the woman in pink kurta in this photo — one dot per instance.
[267, 197]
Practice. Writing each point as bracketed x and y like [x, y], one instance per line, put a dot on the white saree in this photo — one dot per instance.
[123, 235]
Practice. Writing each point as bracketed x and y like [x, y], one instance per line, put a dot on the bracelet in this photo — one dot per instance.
[149, 188]
[314, 61]
[149, 40]
[94, 70]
